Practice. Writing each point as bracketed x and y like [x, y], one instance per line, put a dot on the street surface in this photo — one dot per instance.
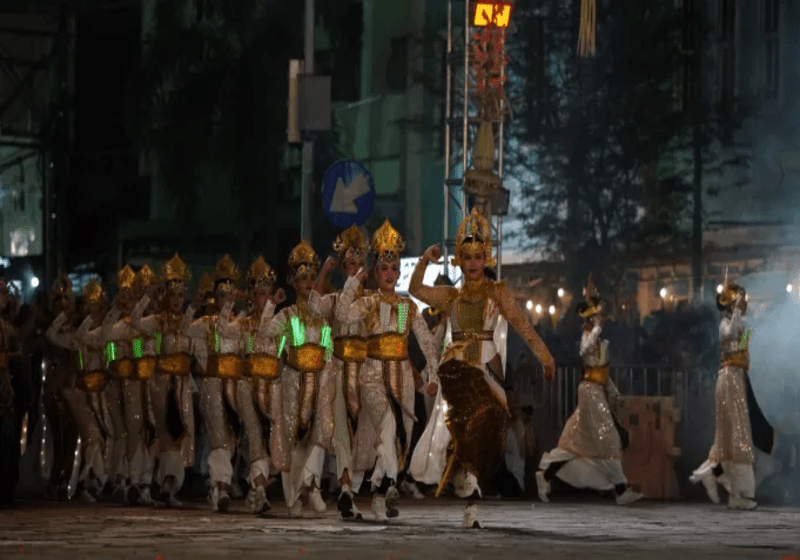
[429, 529]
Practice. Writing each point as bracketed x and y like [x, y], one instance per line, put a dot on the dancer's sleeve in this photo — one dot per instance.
[438, 297]
[350, 310]
[589, 341]
[54, 335]
[517, 318]
[323, 306]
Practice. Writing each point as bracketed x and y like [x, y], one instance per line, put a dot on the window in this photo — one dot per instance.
[771, 47]
[726, 85]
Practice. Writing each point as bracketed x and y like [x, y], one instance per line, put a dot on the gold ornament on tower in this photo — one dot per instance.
[387, 243]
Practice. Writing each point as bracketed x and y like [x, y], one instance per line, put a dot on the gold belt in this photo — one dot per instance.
[91, 381]
[388, 347]
[175, 364]
[261, 365]
[472, 336]
[596, 374]
[308, 358]
[350, 348]
[145, 367]
[226, 366]
[739, 359]
[121, 368]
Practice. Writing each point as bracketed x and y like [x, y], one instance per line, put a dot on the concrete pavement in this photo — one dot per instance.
[429, 529]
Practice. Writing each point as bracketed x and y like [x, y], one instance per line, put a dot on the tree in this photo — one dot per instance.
[601, 146]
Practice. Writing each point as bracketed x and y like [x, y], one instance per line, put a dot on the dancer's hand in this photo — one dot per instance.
[362, 274]
[433, 254]
[330, 264]
[279, 296]
[432, 389]
[549, 371]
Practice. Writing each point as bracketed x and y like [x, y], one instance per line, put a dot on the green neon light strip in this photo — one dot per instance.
[137, 347]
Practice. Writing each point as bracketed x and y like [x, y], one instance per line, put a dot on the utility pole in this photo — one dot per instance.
[697, 144]
[308, 145]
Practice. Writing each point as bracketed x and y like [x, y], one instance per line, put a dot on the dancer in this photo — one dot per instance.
[123, 389]
[471, 371]
[62, 367]
[730, 460]
[257, 386]
[349, 353]
[171, 383]
[386, 378]
[305, 425]
[219, 382]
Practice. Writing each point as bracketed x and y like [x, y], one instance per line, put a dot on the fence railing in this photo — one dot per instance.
[559, 398]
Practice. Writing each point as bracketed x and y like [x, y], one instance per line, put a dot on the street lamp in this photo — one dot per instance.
[719, 288]
[538, 308]
[561, 292]
[788, 287]
[529, 305]
[663, 293]
[552, 310]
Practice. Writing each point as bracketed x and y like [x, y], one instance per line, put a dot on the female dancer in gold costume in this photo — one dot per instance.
[471, 373]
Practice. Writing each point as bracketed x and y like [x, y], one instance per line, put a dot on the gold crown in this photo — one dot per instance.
[261, 273]
[145, 279]
[387, 242]
[62, 286]
[474, 232]
[351, 243]
[226, 270]
[94, 293]
[175, 270]
[303, 261]
[729, 293]
[206, 283]
[125, 278]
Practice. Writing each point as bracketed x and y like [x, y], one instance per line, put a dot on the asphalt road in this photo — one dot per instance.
[429, 529]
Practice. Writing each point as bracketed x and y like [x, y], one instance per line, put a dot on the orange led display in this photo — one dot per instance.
[492, 13]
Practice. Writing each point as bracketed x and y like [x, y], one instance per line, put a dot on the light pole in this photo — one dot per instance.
[308, 145]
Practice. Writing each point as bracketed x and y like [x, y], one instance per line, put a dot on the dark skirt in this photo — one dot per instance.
[476, 418]
[763, 433]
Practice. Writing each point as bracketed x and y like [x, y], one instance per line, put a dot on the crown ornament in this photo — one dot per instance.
[94, 293]
[730, 291]
[205, 285]
[303, 261]
[145, 279]
[261, 273]
[387, 243]
[474, 232]
[125, 278]
[175, 270]
[351, 243]
[593, 304]
[226, 270]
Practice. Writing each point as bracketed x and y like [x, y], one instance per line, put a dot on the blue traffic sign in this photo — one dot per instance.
[348, 194]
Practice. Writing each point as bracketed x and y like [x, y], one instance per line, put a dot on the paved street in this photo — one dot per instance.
[426, 529]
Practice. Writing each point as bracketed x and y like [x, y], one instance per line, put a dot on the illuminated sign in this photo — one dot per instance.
[497, 14]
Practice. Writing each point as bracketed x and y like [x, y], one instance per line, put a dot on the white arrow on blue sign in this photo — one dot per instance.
[348, 194]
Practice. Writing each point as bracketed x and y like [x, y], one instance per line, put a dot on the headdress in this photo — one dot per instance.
[593, 304]
[175, 270]
[729, 293]
[261, 273]
[62, 287]
[474, 232]
[351, 243]
[387, 243]
[303, 261]
[94, 293]
[145, 279]
[125, 278]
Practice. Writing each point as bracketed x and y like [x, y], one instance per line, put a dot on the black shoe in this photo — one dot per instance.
[345, 505]
[132, 496]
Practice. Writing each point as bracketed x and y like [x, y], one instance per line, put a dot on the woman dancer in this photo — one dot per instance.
[730, 460]
[471, 373]
[386, 379]
[589, 452]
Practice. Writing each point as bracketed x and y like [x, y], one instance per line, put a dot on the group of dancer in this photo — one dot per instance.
[329, 375]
